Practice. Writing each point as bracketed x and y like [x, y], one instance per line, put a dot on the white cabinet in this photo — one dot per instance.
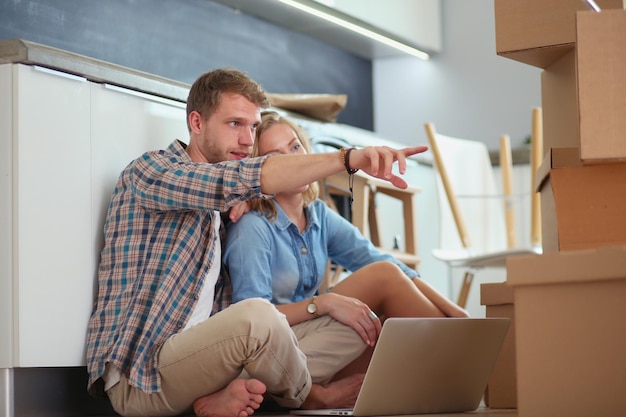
[63, 142]
[51, 215]
[125, 125]
[6, 226]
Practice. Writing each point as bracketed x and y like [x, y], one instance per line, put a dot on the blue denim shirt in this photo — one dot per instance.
[273, 260]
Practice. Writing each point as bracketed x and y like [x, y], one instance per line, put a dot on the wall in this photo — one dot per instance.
[182, 39]
[466, 90]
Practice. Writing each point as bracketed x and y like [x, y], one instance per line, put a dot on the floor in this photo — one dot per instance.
[480, 412]
[62, 393]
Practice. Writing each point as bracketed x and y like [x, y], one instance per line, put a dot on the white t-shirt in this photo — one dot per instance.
[203, 308]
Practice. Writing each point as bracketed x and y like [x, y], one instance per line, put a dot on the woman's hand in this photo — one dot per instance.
[237, 211]
[352, 312]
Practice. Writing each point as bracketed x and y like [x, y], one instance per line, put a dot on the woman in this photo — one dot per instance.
[279, 251]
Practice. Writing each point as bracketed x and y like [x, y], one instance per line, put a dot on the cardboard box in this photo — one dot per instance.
[601, 69]
[501, 390]
[582, 206]
[570, 338]
[583, 93]
[559, 102]
[538, 32]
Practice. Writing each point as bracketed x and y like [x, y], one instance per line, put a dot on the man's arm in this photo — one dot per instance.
[286, 172]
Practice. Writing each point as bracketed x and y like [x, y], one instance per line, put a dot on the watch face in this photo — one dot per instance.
[311, 308]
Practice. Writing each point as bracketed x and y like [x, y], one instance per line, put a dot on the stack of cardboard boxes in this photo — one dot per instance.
[570, 302]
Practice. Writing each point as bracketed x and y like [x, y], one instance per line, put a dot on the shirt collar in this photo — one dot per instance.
[283, 222]
[179, 148]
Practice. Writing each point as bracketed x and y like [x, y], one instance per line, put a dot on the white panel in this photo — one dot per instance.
[6, 214]
[71, 140]
[415, 21]
[125, 125]
[53, 218]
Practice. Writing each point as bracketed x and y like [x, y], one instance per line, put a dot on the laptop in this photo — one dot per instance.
[427, 365]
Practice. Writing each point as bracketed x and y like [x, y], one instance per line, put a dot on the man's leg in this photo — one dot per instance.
[206, 358]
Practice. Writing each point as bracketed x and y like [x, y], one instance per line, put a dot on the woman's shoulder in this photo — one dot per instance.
[252, 219]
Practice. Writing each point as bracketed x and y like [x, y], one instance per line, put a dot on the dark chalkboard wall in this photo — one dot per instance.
[180, 39]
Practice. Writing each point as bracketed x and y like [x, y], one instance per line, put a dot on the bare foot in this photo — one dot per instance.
[239, 399]
[338, 394]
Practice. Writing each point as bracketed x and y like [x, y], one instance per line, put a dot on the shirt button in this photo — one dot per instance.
[196, 296]
[304, 251]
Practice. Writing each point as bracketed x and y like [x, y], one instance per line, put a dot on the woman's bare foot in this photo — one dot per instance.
[239, 399]
[338, 394]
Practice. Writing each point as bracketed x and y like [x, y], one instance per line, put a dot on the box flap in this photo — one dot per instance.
[541, 57]
[556, 158]
[608, 263]
[496, 293]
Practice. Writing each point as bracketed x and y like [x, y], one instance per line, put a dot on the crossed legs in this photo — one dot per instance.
[201, 367]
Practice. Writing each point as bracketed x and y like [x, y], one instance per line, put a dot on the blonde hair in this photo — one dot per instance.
[269, 119]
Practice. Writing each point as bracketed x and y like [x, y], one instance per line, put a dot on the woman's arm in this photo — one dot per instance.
[247, 258]
[349, 248]
[350, 311]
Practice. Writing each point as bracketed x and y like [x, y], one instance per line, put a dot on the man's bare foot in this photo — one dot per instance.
[239, 399]
[338, 394]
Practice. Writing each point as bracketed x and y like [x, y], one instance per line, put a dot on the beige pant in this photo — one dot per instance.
[328, 345]
[250, 336]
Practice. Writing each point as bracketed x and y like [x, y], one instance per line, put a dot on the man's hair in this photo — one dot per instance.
[206, 91]
[269, 119]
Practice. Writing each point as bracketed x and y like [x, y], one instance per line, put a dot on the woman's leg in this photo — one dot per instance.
[388, 292]
[328, 345]
[449, 308]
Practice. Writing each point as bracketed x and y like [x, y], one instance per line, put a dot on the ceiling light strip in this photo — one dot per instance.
[358, 29]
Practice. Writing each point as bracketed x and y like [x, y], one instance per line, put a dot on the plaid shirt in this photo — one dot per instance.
[159, 245]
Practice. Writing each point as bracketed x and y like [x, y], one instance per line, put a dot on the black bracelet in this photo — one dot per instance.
[345, 157]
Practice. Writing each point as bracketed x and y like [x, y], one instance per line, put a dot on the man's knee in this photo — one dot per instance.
[258, 308]
[261, 315]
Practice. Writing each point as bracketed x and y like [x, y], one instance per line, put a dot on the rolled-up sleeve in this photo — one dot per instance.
[162, 182]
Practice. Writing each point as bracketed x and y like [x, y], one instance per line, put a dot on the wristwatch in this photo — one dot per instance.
[312, 307]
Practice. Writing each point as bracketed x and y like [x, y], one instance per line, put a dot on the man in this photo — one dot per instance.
[162, 339]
